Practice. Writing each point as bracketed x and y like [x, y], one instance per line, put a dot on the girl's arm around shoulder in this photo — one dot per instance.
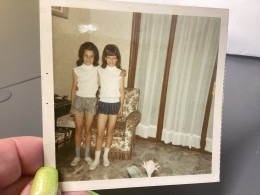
[123, 73]
[122, 96]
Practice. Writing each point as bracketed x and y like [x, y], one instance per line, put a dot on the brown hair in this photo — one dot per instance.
[111, 50]
[88, 46]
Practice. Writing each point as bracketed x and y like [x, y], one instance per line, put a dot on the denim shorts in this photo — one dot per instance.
[84, 104]
[108, 108]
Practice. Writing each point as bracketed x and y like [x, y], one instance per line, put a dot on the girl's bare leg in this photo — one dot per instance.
[78, 131]
[79, 128]
[101, 124]
[88, 133]
[88, 128]
[110, 129]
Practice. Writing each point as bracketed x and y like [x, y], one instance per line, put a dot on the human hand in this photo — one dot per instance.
[20, 158]
[123, 73]
[71, 113]
[120, 112]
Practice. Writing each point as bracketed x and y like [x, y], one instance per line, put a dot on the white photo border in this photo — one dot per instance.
[48, 90]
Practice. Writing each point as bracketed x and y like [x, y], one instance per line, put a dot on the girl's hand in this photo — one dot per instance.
[120, 112]
[71, 113]
[123, 73]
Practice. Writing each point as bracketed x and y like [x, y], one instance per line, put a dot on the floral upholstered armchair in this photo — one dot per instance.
[124, 131]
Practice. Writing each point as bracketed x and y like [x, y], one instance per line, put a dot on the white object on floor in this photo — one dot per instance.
[150, 166]
[134, 172]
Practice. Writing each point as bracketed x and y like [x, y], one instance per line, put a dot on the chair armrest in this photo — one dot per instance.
[133, 118]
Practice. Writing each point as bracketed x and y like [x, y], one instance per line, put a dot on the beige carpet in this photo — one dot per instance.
[173, 160]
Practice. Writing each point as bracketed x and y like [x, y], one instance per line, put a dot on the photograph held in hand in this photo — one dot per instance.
[132, 93]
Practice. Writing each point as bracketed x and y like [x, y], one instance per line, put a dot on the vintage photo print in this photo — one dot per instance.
[132, 93]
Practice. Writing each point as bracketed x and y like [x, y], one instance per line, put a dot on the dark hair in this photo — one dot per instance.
[111, 50]
[88, 46]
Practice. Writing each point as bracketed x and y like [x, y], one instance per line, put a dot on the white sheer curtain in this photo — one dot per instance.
[153, 43]
[193, 58]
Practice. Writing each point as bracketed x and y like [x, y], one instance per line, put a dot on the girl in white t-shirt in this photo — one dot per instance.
[111, 100]
[83, 96]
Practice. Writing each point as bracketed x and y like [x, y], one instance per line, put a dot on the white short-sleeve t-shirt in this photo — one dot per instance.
[87, 80]
[110, 84]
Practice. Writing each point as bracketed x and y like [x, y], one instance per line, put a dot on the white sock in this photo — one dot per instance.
[97, 156]
[106, 151]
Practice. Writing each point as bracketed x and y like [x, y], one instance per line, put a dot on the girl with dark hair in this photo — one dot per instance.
[111, 100]
[91, 47]
[83, 96]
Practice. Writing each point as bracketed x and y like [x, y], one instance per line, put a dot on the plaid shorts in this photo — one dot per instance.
[108, 108]
[84, 104]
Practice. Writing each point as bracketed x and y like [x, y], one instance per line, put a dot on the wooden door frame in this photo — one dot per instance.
[204, 130]
[136, 24]
[165, 79]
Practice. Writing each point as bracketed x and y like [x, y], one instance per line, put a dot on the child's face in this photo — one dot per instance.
[88, 57]
[111, 60]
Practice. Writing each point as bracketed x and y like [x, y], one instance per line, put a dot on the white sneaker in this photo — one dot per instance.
[88, 160]
[75, 161]
[106, 162]
[94, 165]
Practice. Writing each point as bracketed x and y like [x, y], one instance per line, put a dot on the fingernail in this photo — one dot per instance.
[45, 181]
[93, 193]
